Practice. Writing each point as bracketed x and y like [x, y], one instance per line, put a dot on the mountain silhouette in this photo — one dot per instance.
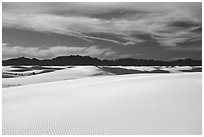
[87, 60]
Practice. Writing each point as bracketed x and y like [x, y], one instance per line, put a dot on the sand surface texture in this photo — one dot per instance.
[110, 105]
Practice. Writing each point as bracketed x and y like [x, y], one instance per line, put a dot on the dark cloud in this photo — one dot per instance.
[117, 14]
[184, 24]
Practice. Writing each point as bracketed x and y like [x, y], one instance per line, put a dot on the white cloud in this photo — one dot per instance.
[73, 26]
[174, 36]
[129, 43]
[5, 44]
[153, 22]
[18, 51]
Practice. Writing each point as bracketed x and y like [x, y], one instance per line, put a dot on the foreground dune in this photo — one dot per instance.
[126, 104]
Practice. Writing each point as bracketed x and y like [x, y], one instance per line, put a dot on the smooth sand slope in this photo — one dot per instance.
[64, 74]
[126, 104]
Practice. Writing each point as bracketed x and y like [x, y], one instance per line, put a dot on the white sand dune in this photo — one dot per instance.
[27, 72]
[174, 69]
[7, 68]
[141, 68]
[64, 74]
[73, 72]
[126, 104]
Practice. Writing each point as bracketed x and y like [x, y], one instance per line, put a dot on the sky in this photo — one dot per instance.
[163, 31]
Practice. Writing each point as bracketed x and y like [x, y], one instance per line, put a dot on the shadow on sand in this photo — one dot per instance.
[122, 71]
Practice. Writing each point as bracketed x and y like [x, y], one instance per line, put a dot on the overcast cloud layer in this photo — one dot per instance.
[105, 30]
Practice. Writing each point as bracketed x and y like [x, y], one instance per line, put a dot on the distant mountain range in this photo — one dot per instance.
[87, 60]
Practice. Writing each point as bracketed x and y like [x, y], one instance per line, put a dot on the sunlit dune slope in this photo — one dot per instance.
[122, 104]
